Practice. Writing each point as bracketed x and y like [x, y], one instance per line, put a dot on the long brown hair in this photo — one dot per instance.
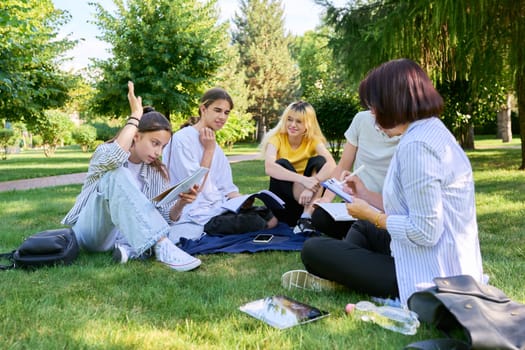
[152, 121]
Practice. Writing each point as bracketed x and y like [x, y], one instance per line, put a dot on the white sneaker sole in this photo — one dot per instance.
[302, 279]
[184, 267]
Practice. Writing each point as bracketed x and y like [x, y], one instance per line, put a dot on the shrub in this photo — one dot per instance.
[84, 136]
[104, 131]
[6, 139]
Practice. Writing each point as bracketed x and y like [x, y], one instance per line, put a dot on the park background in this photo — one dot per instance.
[173, 51]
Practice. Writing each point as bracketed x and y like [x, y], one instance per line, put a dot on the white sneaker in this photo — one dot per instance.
[303, 279]
[169, 254]
[120, 254]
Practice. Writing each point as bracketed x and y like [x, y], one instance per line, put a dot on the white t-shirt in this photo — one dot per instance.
[183, 156]
[374, 149]
[134, 169]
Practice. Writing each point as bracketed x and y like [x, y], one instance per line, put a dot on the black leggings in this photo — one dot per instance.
[361, 262]
[284, 189]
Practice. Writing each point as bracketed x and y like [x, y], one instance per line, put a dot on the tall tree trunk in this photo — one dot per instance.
[261, 128]
[504, 123]
[520, 87]
[465, 136]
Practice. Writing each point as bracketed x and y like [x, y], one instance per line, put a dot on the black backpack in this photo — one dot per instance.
[46, 248]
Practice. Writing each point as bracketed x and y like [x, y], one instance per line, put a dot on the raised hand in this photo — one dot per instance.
[135, 103]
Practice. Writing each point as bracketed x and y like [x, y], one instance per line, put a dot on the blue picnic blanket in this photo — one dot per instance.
[284, 239]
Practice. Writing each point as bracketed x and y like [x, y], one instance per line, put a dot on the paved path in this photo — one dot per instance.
[78, 178]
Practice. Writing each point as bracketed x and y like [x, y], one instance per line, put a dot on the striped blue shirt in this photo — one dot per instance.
[429, 198]
[110, 156]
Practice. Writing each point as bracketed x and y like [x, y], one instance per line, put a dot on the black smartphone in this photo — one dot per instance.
[263, 238]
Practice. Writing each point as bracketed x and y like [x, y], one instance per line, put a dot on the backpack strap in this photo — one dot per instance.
[7, 256]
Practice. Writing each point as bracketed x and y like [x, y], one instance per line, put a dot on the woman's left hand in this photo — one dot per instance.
[184, 198]
[190, 196]
[360, 209]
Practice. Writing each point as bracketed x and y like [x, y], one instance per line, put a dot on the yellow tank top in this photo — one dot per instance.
[297, 157]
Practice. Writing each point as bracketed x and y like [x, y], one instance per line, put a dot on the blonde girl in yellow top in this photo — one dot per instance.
[297, 161]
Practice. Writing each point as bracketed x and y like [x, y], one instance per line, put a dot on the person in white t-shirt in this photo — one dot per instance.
[366, 145]
[195, 146]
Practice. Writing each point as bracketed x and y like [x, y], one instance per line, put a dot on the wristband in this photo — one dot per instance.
[137, 119]
[130, 123]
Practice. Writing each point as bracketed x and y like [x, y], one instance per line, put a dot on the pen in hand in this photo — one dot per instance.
[357, 171]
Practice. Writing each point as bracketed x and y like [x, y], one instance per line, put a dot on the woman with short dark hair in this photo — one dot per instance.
[424, 224]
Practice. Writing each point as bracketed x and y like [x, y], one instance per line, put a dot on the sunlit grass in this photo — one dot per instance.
[488, 141]
[30, 164]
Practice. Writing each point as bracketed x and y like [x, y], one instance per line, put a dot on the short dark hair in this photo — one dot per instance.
[399, 91]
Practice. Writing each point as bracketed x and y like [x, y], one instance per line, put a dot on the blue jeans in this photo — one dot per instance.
[119, 203]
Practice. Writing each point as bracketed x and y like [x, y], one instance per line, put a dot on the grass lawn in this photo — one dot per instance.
[96, 304]
[30, 164]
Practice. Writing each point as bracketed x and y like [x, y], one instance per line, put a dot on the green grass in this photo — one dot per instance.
[30, 164]
[488, 141]
[96, 304]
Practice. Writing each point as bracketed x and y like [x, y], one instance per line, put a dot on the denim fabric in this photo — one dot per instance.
[185, 229]
[117, 202]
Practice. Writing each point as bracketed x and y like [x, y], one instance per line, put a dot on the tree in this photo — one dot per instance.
[458, 42]
[318, 69]
[271, 75]
[240, 124]
[53, 127]
[30, 53]
[321, 84]
[170, 49]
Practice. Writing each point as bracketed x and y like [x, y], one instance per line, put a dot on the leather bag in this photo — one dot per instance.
[488, 318]
[46, 248]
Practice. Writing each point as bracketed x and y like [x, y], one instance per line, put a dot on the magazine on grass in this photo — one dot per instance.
[336, 210]
[185, 185]
[282, 312]
[270, 199]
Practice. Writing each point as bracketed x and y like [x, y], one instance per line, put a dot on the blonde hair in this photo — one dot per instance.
[307, 115]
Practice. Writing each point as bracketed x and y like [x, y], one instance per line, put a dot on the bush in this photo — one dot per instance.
[84, 136]
[335, 111]
[55, 128]
[37, 141]
[238, 128]
[104, 131]
[6, 139]
[95, 144]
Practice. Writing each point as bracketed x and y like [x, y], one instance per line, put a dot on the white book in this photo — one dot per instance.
[185, 185]
[336, 210]
[270, 199]
[336, 187]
